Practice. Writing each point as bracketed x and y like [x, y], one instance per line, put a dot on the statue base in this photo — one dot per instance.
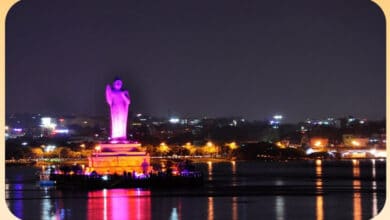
[120, 159]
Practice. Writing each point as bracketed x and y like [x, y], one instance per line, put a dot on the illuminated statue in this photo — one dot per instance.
[119, 102]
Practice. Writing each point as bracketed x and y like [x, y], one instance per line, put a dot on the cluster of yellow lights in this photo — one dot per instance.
[233, 145]
[210, 148]
[318, 143]
[163, 147]
[280, 144]
[355, 143]
[189, 147]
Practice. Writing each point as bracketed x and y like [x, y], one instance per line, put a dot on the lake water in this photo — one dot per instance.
[352, 189]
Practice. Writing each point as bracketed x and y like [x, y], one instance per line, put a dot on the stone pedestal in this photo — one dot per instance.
[119, 158]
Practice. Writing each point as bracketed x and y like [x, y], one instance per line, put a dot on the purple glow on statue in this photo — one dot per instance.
[119, 102]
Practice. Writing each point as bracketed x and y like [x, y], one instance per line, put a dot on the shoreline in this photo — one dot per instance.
[27, 162]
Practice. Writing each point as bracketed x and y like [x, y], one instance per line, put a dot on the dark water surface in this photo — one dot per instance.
[352, 189]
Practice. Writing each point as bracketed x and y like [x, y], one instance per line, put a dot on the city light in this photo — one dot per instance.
[318, 143]
[163, 148]
[46, 122]
[210, 148]
[98, 148]
[61, 131]
[355, 143]
[189, 147]
[280, 144]
[278, 117]
[233, 145]
[50, 148]
[174, 120]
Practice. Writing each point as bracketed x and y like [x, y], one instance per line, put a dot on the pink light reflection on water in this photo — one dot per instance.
[119, 204]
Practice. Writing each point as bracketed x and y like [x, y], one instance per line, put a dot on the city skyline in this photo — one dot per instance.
[250, 59]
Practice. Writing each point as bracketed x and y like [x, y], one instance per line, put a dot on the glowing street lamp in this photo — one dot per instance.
[355, 143]
[210, 148]
[163, 148]
[280, 144]
[232, 145]
[318, 143]
[50, 148]
[98, 148]
[189, 147]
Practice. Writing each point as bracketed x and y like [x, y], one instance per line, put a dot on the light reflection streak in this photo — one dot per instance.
[18, 203]
[357, 203]
[234, 208]
[47, 209]
[279, 207]
[174, 215]
[319, 198]
[374, 195]
[234, 169]
[210, 170]
[119, 204]
[320, 208]
[105, 204]
[210, 209]
[234, 172]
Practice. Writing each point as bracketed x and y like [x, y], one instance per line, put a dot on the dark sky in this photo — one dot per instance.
[249, 58]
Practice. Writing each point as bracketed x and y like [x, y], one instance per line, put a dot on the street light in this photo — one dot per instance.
[233, 145]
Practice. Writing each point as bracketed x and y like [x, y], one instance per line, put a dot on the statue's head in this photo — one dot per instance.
[117, 84]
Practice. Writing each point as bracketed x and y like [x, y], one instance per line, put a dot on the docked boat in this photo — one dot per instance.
[45, 178]
[151, 180]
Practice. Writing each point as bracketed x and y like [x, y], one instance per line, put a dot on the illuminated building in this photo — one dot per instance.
[355, 141]
[275, 122]
[318, 144]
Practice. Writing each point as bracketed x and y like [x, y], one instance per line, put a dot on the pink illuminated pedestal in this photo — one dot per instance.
[119, 158]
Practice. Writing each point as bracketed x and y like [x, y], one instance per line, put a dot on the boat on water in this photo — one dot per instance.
[96, 181]
[78, 177]
[45, 179]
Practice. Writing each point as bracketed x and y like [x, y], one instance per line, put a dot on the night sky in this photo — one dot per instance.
[196, 58]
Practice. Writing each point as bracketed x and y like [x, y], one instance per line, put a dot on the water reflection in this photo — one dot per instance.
[320, 208]
[234, 208]
[105, 204]
[357, 203]
[279, 208]
[210, 210]
[210, 170]
[18, 204]
[174, 214]
[319, 197]
[119, 204]
[234, 169]
[234, 173]
[374, 195]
